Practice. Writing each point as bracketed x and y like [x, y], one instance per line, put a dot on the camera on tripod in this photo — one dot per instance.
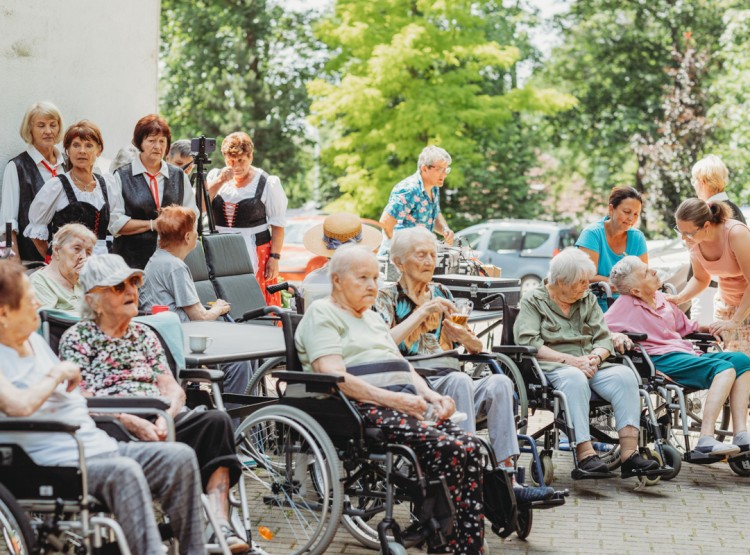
[201, 147]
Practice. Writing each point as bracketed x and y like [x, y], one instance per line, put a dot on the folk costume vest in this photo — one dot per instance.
[81, 212]
[140, 205]
[248, 213]
[30, 181]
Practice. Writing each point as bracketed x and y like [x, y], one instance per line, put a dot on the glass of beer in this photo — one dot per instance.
[463, 308]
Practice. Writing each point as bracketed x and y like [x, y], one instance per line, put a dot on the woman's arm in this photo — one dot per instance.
[25, 402]
[169, 388]
[437, 305]
[697, 283]
[359, 390]
[213, 186]
[462, 335]
[594, 256]
[277, 241]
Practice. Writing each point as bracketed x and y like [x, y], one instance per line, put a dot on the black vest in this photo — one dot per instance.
[30, 181]
[250, 212]
[140, 205]
[82, 212]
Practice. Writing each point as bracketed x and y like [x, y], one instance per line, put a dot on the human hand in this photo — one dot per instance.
[622, 342]
[585, 365]
[272, 269]
[226, 174]
[222, 306]
[455, 332]
[413, 405]
[674, 299]
[446, 407]
[161, 428]
[68, 372]
[448, 236]
[140, 427]
[438, 305]
[718, 327]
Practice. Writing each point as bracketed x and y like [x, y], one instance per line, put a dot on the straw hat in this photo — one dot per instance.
[339, 229]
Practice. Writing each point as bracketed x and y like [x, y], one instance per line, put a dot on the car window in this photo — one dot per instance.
[567, 238]
[505, 240]
[534, 240]
[472, 239]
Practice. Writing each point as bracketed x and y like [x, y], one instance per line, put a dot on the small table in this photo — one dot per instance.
[232, 342]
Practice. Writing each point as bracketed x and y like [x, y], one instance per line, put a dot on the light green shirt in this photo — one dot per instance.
[52, 294]
[540, 322]
[327, 329]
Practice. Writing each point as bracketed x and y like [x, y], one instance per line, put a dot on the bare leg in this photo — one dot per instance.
[717, 394]
[584, 450]
[739, 398]
[217, 491]
[628, 441]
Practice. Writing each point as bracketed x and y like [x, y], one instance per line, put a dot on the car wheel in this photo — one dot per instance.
[529, 283]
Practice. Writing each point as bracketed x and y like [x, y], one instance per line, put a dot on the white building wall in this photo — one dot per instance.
[94, 59]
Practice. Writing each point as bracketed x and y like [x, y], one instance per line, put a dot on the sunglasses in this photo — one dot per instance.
[136, 281]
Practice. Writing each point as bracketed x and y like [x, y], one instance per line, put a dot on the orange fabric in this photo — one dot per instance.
[50, 169]
[315, 263]
[263, 252]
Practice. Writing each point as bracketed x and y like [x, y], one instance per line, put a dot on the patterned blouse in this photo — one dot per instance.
[395, 306]
[128, 365]
[410, 205]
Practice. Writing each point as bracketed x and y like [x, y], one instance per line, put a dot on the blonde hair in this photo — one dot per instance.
[68, 232]
[42, 109]
[712, 172]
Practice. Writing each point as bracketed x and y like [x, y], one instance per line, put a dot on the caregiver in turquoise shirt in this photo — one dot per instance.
[611, 239]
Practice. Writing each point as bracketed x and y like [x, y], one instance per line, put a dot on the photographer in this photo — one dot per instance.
[248, 201]
[141, 188]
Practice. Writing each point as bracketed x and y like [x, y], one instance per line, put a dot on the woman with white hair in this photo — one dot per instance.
[710, 177]
[341, 335]
[643, 308]
[564, 323]
[41, 129]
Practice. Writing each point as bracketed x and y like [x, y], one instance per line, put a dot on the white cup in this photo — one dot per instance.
[199, 343]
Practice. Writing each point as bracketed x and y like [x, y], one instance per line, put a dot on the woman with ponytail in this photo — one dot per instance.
[719, 247]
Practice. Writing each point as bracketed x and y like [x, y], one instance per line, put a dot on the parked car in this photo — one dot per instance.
[522, 248]
[296, 260]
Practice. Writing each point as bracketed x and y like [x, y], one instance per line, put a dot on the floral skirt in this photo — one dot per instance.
[737, 339]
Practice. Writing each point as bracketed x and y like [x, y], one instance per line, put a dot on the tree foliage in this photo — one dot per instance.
[407, 73]
[241, 65]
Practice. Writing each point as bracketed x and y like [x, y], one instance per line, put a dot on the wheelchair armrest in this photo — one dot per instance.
[514, 349]
[34, 425]
[633, 336]
[306, 377]
[426, 372]
[441, 354]
[125, 403]
[703, 337]
[200, 375]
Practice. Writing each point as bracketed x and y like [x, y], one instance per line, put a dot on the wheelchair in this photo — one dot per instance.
[678, 409]
[313, 464]
[542, 396]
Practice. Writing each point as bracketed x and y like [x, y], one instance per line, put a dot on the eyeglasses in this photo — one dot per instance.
[684, 234]
[136, 281]
[444, 171]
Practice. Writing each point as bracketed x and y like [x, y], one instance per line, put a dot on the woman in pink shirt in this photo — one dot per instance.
[719, 247]
[643, 308]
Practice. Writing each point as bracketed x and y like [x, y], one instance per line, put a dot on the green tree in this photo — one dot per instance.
[242, 65]
[407, 73]
[615, 59]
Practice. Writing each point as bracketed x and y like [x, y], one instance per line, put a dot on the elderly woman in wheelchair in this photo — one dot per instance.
[643, 308]
[418, 314]
[122, 475]
[563, 321]
[341, 335]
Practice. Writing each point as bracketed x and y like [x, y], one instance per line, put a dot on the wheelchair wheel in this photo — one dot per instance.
[364, 512]
[652, 455]
[673, 458]
[261, 383]
[16, 536]
[548, 470]
[741, 468]
[525, 521]
[291, 452]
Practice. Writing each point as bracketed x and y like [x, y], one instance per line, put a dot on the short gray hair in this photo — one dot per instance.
[431, 155]
[570, 266]
[123, 157]
[404, 241]
[181, 147]
[347, 256]
[87, 310]
[622, 274]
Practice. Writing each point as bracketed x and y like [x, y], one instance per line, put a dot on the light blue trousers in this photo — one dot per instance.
[491, 397]
[616, 384]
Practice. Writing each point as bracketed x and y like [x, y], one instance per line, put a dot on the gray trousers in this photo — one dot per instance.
[125, 482]
[491, 397]
[616, 384]
[237, 375]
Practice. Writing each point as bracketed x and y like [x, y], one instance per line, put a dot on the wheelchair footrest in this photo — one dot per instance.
[548, 503]
[578, 474]
[696, 457]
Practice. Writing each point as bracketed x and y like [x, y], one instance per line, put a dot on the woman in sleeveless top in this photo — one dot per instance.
[42, 129]
[614, 237]
[719, 247]
[248, 201]
[76, 196]
[141, 188]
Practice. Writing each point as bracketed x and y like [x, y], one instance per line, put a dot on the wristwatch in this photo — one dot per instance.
[275, 255]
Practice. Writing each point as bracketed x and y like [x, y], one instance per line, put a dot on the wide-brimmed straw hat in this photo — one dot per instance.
[340, 229]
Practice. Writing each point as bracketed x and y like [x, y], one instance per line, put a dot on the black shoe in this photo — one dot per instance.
[591, 468]
[528, 494]
[636, 465]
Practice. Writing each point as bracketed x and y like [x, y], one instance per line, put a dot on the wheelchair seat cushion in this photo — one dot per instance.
[393, 375]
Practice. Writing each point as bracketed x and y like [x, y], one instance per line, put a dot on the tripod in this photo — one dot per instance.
[201, 193]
